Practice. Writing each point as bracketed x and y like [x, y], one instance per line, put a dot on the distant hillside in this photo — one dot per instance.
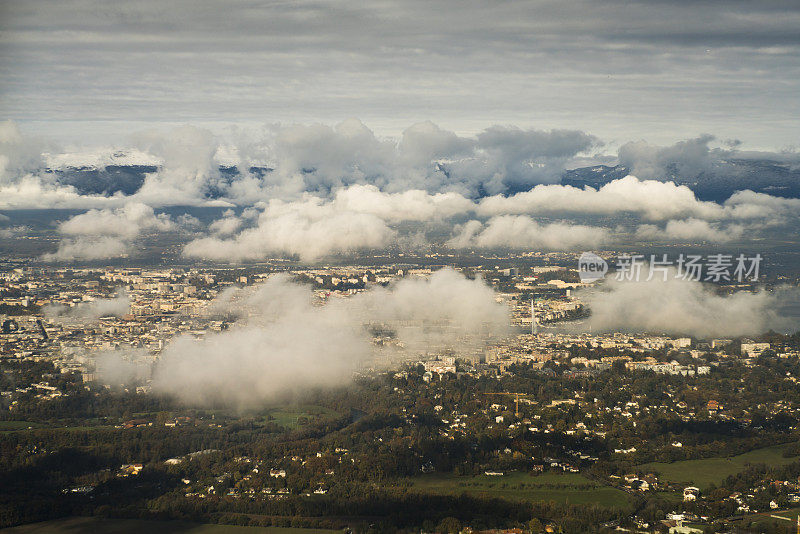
[715, 184]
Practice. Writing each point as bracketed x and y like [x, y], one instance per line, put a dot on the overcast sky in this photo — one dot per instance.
[655, 70]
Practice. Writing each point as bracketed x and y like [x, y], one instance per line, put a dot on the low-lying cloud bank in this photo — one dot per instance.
[520, 232]
[309, 231]
[90, 310]
[677, 306]
[109, 232]
[364, 217]
[285, 340]
[287, 161]
[314, 158]
[282, 338]
[691, 230]
[315, 190]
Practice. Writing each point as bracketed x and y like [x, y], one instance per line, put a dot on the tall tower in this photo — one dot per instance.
[534, 321]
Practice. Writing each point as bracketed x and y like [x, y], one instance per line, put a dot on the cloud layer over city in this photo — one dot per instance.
[309, 191]
[284, 339]
[670, 304]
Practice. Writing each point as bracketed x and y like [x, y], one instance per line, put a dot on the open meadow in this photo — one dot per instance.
[703, 472]
[566, 488]
[92, 525]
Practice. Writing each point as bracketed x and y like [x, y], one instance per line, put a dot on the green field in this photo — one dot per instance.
[703, 472]
[571, 488]
[789, 517]
[288, 416]
[92, 525]
[790, 513]
[24, 426]
[18, 425]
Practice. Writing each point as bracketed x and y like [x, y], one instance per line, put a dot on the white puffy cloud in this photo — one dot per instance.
[691, 230]
[358, 217]
[678, 306]
[297, 227]
[128, 222]
[36, 192]
[122, 367]
[685, 158]
[314, 158]
[350, 159]
[522, 158]
[107, 233]
[650, 199]
[90, 310]
[189, 169]
[19, 154]
[521, 232]
[287, 341]
[320, 158]
[752, 205]
[89, 248]
[309, 229]
[339, 188]
[225, 226]
[21, 157]
[410, 205]
[425, 142]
